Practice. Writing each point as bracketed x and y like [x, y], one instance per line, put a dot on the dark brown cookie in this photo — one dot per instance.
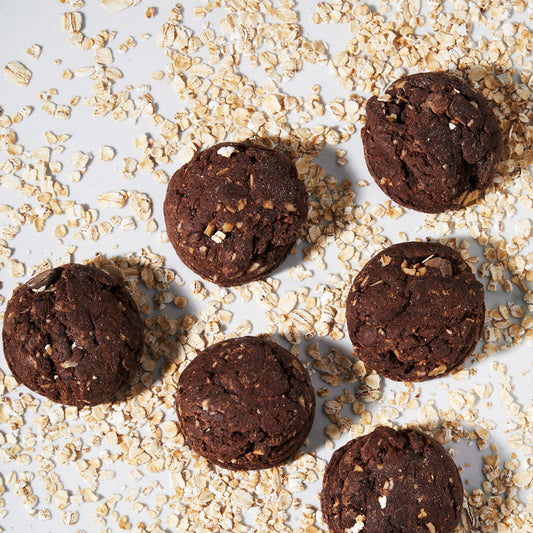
[395, 482]
[234, 212]
[73, 334]
[415, 311]
[245, 404]
[431, 142]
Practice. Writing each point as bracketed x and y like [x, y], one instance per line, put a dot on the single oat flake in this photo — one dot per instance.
[117, 5]
[17, 73]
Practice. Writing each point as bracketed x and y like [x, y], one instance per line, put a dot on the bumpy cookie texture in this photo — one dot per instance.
[245, 404]
[394, 482]
[234, 212]
[431, 142]
[73, 334]
[415, 311]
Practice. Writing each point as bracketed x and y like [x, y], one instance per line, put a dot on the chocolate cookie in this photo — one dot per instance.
[73, 334]
[234, 212]
[431, 142]
[394, 482]
[245, 403]
[415, 311]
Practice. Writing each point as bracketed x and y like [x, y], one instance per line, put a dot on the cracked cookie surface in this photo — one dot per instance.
[234, 212]
[415, 311]
[392, 482]
[431, 142]
[73, 334]
[245, 403]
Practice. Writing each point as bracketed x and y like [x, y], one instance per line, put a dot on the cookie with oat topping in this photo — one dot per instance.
[392, 482]
[73, 334]
[234, 212]
[245, 403]
[431, 142]
[415, 311]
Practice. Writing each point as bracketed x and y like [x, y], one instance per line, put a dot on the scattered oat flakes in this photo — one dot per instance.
[226, 103]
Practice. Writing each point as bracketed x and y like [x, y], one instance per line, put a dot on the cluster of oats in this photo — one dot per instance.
[44, 446]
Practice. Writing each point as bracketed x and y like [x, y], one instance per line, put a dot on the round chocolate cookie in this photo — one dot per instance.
[73, 334]
[234, 212]
[394, 482]
[415, 311]
[245, 403]
[431, 142]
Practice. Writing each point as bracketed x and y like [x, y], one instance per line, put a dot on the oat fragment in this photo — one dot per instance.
[166, 36]
[141, 205]
[80, 160]
[34, 51]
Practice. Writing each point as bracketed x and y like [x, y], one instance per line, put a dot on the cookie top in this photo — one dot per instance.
[73, 334]
[234, 212]
[431, 142]
[415, 311]
[393, 482]
[245, 403]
